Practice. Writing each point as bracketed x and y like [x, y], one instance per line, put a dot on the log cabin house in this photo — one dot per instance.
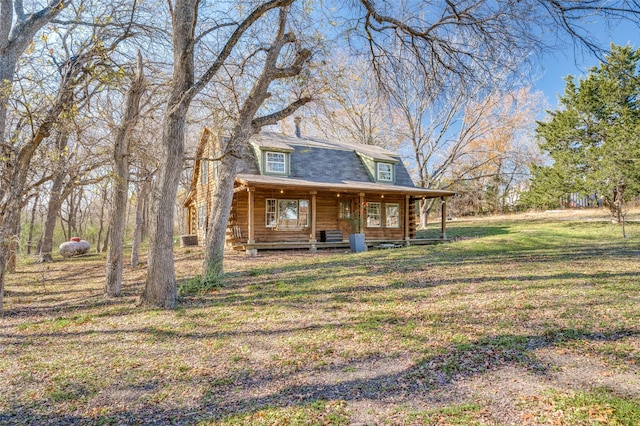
[299, 192]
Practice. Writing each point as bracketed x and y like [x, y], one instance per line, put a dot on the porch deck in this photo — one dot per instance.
[300, 245]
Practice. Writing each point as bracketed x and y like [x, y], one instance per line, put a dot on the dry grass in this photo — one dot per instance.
[519, 322]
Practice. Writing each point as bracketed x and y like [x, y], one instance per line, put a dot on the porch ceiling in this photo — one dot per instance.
[261, 181]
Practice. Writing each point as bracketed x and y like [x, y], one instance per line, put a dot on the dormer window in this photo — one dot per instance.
[276, 162]
[384, 172]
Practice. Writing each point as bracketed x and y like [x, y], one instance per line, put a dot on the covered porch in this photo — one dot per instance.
[324, 214]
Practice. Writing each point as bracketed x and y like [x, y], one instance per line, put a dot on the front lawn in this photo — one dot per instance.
[517, 322]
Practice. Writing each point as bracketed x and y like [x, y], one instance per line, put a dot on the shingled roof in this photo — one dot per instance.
[333, 165]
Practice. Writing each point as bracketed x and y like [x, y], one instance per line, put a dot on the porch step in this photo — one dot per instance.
[333, 236]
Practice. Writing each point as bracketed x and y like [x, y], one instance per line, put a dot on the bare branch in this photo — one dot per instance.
[19, 8]
[212, 29]
[230, 44]
[271, 119]
[23, 31]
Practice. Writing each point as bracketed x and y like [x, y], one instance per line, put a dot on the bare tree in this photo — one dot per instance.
[498, 159]
[71, 165]
[17, 30]
[142, 191]
[57, 194]
[121, 154]
[160, 289]
[246, 125]
[463, 37]
[73, 74]
[351, 107]
[84, 58]
[32, 222]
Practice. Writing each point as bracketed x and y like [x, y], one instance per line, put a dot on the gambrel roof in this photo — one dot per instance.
[315, 163]
[332, 165]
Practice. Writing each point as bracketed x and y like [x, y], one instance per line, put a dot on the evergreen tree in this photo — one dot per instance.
[594, 137]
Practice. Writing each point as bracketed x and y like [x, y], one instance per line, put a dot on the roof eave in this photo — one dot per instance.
[350, 187]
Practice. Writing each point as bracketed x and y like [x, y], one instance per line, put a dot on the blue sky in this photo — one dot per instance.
[557, 65]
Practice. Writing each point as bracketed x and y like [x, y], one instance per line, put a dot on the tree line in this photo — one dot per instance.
[593, 139]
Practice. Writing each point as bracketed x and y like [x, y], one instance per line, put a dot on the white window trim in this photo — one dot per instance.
[386, 215]
[380, 172]
[378, 215]
[306, 225]
[276, 212]
[268, 164]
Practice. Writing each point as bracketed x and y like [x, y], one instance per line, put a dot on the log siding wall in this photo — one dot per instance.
[327, 206]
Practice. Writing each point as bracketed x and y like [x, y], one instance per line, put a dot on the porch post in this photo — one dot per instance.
[362, 211]
[250, 222]
[443, 224]
[407, 219]
[312, 237]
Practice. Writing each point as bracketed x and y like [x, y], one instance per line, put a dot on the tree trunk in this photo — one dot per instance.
[74, 207]
[246, 126]
[105, 243]
[53, 210]
[15, 172]
[32, 222]
[56, 199]
[18, 172]
[143, 190]
[160, 289]
[7, 70]
[18, 169]
[221, 208]
[425, 209]
[424, 214]
[11, 218]
[101, 218]
[121, 154]
[117, 224]
[619, 206]
[145, 214]
[64, 230]
[13, 248]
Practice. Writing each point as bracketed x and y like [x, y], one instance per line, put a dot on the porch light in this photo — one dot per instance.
[338, 195]
[282, 191]
[382, 196]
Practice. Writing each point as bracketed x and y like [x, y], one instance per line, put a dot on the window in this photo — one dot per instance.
[286, 214]
[204, 172]
[392, 216]
[344, 211]
[385, 172]
[303, 213]
[271, 214]
[276, 162]
[287, 210]
[374, 216]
